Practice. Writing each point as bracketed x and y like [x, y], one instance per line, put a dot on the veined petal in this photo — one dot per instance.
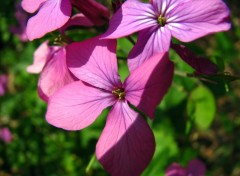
[133, 16]
[197, 18]
[52, 15]
[94, 61]
[200, 64]
[127, 144]
[146, 86]
[150, 41]
[54, 75]
[77, 105]
[31, 6]
[162, 7]
[77, 20]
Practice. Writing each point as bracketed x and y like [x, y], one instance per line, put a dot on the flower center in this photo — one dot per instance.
[162, 21]
[119, 93]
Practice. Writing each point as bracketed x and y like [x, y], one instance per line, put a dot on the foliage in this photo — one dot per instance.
[198, 118]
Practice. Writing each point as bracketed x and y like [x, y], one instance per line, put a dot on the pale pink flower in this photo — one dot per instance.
[50, 62]
[51, 15]
[41, 55]
[54, 75]
[159, 20]
[3, 84]
[194, 168]
[127, 144]
[5, 135]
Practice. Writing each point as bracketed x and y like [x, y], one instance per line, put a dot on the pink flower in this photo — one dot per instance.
[158, 21]
[50, 62]
[5, 135]
[195, 168]
[127, 144]
[54, 75]
[51, 15]
[3, 84]
[42, 54]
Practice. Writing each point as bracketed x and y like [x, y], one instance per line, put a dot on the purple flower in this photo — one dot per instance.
[3, 84]
[159, 20]
[51, 15]
[5, 135]
[195, 168]
[127, 144]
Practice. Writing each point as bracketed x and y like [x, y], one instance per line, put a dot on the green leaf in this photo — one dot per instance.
[201, 107]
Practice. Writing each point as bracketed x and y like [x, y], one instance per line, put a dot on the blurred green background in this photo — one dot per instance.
[198, 118]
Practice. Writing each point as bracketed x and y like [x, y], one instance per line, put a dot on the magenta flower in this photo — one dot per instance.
[5, 135]
[3, 84]
[195, 168]
[51, 15]
[126, 144]
[159, 20]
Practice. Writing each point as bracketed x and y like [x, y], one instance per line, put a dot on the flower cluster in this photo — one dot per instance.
[79, 79]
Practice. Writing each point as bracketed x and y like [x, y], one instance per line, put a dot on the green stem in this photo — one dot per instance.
[89, 166]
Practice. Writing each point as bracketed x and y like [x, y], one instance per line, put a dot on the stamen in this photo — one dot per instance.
[119, 93]
[62, 40]
[162, 21]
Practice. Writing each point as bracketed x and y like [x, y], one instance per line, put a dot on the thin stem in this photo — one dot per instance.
[131, 40]
[89, 166]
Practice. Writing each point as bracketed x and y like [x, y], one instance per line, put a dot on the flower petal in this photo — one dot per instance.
[94, 61]
[77, 20]
[133, 16]
[164, 6]
[194, 19]
[77, 105]
[196, 168]
[31, 6]
[127, 144]
[54, 75]
[150, 41]
[146, 86]
[52, 15]
[202, 65]
[175, 170]
[94, 11]
[41, 55]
